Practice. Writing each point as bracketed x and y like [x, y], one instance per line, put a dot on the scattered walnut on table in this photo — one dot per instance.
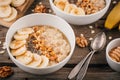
[40, 8]
[81, 41]
[5, 71]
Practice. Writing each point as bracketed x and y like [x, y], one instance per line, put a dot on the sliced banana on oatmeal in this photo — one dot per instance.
[25, 31]
[36, 61]
[25, 58]
[21, 36]
[12, 16]
[5, 11]
[61, 57]
[5, 2]
[17, 44]
[69, 7]
[61, 4]
[17, 3]
[44, 63]
[19, 51]
[77, 11]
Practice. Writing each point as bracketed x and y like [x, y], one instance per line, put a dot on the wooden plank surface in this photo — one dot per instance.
[98, 68]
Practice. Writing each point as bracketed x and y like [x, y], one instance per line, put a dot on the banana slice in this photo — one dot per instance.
[17, 3]
[5, 11]
[61, 4]
[25, 58]
[36, 61]
[69, 7]
[19, 51]
[77, 11]
[17, 44]
[45, 62]
[25, 31]
[21, 36]
[5, 2]
[12, 16]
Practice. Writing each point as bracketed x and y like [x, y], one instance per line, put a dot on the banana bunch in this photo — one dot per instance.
[19, 50]
[9, 13]
[113, 18]
[65, 6]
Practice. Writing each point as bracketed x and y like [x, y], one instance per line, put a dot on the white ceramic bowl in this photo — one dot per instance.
[41, 19]
[113, 64]
[80, 20]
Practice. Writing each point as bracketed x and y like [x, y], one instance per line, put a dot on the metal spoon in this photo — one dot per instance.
[97, 44]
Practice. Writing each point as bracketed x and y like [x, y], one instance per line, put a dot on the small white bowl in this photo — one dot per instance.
[41, 19]
[78, 19]
[113, 64]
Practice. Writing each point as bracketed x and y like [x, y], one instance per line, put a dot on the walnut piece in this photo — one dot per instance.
[39, 44]
[81, 41]
[115, 54]
[91, 6]
[5, 71]
[40, 8]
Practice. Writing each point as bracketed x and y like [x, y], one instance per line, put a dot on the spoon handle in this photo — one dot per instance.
[76, 69]
[84, 68]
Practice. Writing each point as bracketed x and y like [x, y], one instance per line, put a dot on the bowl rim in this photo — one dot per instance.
[107, 6]
[107, 51]
[48, 67]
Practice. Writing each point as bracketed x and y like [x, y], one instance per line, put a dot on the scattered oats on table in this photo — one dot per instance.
[91, 27]
[90, 38]
[114, 2]
[40, 3]
[110, 37]
[2, 51]
[4, 45]
[92, 31]
[50, 11]
[0, 42]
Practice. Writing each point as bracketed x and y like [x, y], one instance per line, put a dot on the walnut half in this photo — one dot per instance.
[5, 71]
[81, 41]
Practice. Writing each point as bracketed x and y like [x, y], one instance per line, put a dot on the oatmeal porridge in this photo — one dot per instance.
[40, 46]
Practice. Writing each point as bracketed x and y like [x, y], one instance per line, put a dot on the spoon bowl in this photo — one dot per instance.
[99, 42]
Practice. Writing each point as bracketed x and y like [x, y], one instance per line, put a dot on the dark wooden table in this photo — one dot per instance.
[98, 68]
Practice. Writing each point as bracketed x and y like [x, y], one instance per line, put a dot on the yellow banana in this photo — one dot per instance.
[113, 18]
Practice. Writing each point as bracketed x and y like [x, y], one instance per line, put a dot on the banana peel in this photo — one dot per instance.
[113, 18]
